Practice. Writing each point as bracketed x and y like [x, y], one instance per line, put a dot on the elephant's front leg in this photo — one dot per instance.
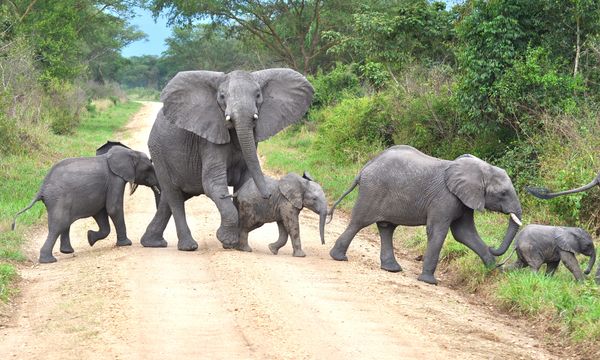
[214, 182]
[571, 263]
[388, 260]
[243, 244]
[65, 242]
[464, 231]
[436, 234]
[114, 208]
[281, 241]
[293, 229]
[103, 228]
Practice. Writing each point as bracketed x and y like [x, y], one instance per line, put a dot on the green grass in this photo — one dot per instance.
[22, 175]
[574, 306]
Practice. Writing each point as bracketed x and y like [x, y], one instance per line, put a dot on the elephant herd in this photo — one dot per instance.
[205, 139]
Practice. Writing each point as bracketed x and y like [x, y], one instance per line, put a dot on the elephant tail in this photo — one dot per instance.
[354, 183]
[507, 258]
[37, 198]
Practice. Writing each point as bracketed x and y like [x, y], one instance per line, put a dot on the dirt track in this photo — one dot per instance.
[136, 303]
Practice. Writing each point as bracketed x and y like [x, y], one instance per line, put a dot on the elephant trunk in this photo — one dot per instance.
[591, 264]
[511, 232]
[248, 146]
[322, 221]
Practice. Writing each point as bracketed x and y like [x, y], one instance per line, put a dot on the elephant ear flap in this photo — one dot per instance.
[190, 102]
[464, 178]
[563, 240]
[291, 188]
[286, 97]
[122, 162]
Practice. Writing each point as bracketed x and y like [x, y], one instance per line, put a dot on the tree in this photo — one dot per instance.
[291, 30]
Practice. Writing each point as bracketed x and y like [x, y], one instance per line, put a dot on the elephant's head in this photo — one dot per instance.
[132, 166]
[577, 241]
[252, 106]
[479, 185]
[305, 192]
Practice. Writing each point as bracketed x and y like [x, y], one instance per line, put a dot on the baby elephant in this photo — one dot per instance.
[540, 244]
[289, 195]
[77, 188]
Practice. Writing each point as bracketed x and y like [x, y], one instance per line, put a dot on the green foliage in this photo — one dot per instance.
[140, 93]
[339, 83]
[7, 274]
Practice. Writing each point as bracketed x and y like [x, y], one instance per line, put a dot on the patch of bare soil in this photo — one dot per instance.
[110, 302]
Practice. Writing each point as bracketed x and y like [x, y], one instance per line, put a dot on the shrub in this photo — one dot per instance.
[66, 102]
[339, 83]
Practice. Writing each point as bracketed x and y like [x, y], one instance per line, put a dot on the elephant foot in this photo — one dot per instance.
[274, 248]
[46, 259]
[298, 253]
[245, 247]
[229, 236]
[153, 241]
[124, 242]
[66, 249]
[338, 255]
[430, 279]
[187, 245]
[391, 266]
[490, 263]
[91, 236]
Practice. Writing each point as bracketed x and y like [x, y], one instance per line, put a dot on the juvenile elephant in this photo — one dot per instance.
[205, 137]
[288, 196]
[403, 186]
[540, 244]
[76, 188]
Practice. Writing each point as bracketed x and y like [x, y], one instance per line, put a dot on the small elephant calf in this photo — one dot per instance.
[77, 188]
[541, 244]
[289, 195]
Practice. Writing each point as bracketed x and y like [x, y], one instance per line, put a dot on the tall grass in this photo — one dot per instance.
[22, 174]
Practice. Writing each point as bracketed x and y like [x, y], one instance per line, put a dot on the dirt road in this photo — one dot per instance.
[136, 303]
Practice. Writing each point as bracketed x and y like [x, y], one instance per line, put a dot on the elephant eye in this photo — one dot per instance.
[258, 96]
[222, 96]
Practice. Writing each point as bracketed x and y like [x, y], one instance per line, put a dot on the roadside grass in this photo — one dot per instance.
[141, 93]
[22, 175]
[575, 307]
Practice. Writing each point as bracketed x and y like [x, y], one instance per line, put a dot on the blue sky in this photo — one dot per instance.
[157, 33]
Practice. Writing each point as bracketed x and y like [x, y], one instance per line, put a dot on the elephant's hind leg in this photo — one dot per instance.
[338, 252]
[103, 228]
[153, 236]
[58, 223]
[388, 260]
[551, 267]
[65, 242]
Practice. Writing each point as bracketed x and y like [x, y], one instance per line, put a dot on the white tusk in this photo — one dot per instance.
[256, 116]
[227, 118]
[132, 187]
[516, 219]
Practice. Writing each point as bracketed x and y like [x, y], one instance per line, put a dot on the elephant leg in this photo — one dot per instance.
[103, 228]
[118, 218]
[281, 241]
[436, 234]
[65, 242]
[153, 236]
[214, 182]
[176, 200]
[388, 260]
[243, 244]
[293, 229]
[464, 231]
[551, 267]
[338, 252]
[518, 264]
[571, 263]
[58, 223]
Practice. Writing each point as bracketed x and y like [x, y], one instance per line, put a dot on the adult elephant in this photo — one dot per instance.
[403, 186]
[544, 193]
[205, 137]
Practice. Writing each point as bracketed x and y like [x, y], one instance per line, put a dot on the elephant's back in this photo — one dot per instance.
[76, 176]
[400, 162]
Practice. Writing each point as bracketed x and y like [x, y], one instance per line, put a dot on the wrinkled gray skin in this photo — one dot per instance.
[77, 188]
[544, 193]
[540, 244]
[204, 139]
[288, 196]
[403, 186]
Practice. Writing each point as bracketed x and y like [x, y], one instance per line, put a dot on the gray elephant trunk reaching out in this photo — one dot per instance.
[322, 221]
[591, 264]
[511, 231]
[248, 147]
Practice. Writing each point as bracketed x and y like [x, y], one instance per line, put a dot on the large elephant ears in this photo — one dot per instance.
[122, 162]
[464, 178]
[291, 188]
[286, 98]
[190, 102]
[565, 240]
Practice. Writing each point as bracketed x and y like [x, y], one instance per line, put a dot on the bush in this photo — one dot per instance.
[112, 91]
[66, 102]
[339, 83]
[141, 93]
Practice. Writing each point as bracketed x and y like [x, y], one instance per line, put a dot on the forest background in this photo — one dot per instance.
[514, 82]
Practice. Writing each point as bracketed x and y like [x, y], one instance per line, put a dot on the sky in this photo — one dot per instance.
[157, 33]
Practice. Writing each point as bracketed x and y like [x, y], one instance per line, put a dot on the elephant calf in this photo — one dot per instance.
[77, 188]
[289, 195]
[540, 244]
